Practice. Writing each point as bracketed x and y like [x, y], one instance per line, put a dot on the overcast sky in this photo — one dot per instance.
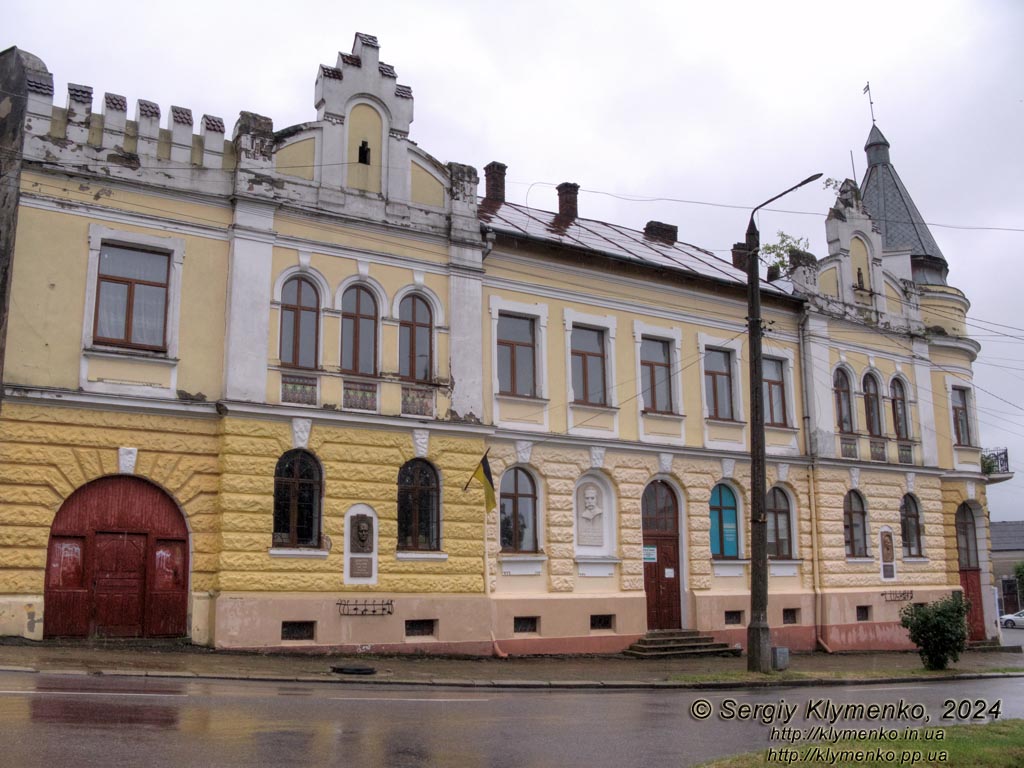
[719, 104]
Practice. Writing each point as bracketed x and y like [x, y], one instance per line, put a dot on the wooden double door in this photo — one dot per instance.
[117, 563]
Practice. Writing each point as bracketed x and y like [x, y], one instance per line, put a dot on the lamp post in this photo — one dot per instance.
[758, 632]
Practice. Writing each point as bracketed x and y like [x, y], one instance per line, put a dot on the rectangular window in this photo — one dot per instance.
[588, 366]
[420, 627]
[131, 298]
[774, 388]
[298, 630]
[525, 624]
[517, 350]
[718, 384]
[863, 613]
[790, 615]
[734, 617]
[602, 621]
[656, 375]
[961, 422]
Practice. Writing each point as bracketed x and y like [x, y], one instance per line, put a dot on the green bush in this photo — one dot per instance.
[939, 629]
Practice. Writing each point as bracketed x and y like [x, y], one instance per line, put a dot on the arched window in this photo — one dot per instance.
[779, 537]
[298, 482]
[966, 537]
[844, 410]
[724, 525]
[855, 525]
[415, 328]
[899, 410]
[419, 518]
[872, 406]
[659, 508]
[300, 323]
[358, 331]
[910, 526]
[518, 512]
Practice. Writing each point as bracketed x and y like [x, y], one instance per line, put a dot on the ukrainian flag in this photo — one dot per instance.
[483, 474]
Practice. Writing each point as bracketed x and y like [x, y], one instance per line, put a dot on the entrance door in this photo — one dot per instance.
[117, 564]
[970, 572]
[661, 556]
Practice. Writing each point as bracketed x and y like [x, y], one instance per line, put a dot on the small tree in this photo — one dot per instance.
[1018, 571]
[939, 629]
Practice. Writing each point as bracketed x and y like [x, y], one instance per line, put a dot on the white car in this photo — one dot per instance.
[1012, 620]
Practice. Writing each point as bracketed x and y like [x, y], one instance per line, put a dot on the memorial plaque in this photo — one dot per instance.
[361, 533]
[360, 567]
[590, 516]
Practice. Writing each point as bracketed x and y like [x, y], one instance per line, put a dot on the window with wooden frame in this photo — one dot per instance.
[518, 512]
[855, 525]
[844, 403]
[966, 537]
[910, 526]
[961, 417]
[300, 323]
[359, 331]
[656, 375]
[131, 298]
[774, 388]
[588, 366]
[724, 523]
[419, 513]
[900, 422]
[718, 384]
[517, 351]
[872, 406]
[298, 487]
[659, 509]
[779, 537]
[415, 343]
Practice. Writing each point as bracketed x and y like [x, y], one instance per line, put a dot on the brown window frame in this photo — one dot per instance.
[412, 494]
[873, 407]
[296, 310]
[290, 486]
[517, 349]
[910, 526]
[659, 510]
[131, 282]
[900, 416]
[649, 370]
[711, 387]
[408, 356]
[961, 416]
[843, 401]
[769, 385]
[581, 394]
[515, 474]
[357, 317]
[966, 538]
[777, 506]
[849, 512]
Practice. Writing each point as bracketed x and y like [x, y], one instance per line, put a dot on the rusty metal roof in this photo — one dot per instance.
[613, 241]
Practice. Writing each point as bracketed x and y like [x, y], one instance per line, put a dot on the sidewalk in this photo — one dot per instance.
[159, 659]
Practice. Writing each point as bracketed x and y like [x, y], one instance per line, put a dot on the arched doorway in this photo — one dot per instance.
[970, 572]
[660, 516]
[117, 563]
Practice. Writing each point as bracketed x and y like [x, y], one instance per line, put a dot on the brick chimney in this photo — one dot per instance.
[665, 233]
[568, 207]
[494, 185]
[740, 256]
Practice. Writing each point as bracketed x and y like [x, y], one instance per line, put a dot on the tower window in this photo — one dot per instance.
[364, 153]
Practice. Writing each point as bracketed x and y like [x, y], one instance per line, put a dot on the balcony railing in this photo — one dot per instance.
[995, 461]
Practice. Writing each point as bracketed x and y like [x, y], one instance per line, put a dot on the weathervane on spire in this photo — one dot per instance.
[867, 90]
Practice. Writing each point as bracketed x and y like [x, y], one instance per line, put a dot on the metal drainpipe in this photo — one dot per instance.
[812, 469]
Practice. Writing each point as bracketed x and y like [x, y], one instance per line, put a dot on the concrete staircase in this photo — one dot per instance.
[678, 643]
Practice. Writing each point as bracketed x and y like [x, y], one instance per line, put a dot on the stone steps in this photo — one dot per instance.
[670, 644]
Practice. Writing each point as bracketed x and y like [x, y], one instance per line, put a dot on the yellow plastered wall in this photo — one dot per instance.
[828, 282]
[860, 266]
[365, 125]
[954, 493]
[425, 188]
[47, 452]
[360, 466]
[296, 159]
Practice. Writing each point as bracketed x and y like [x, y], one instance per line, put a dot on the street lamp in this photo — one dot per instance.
[758, 632]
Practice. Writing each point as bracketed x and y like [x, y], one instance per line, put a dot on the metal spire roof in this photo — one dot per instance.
[891, 207]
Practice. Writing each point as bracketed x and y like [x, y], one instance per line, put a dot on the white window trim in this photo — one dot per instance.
[674, 337]
[437, 326]
[788, 358]
[312, 553]
[741, 524]
[735, 349]
[381, 297]
[539, 314]
[794, 533]
[955, 382]
[302, 270]
[361, 509]
[175, 247]
[608, 325]
[610, 521]
[881, 560]
[909, 401]
[539, 516]
[385, 131]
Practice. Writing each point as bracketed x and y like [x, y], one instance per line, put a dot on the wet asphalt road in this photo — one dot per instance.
[81, 721]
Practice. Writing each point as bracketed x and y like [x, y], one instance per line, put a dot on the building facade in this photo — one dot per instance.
[247, 377]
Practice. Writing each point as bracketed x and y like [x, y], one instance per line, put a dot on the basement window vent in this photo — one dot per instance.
[525, 624]
[298, 630]
[602, 621]
[734, 617]
[790, 615]
[863, 613]
[420, 627]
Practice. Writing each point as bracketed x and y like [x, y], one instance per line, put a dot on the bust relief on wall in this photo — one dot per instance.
[590, 512]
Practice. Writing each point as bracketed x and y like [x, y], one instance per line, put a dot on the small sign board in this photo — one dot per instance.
[650, 554]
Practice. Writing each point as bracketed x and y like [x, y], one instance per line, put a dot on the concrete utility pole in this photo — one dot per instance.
[758, 631]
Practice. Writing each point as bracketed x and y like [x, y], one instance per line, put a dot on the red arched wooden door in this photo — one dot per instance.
[970, 572]
[117, 564]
